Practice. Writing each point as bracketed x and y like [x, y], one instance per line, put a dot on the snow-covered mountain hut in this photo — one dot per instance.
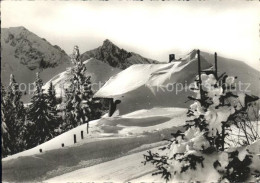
[144, 86]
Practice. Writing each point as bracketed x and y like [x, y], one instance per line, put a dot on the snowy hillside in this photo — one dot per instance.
[128, 134]
[99, 71]
[113, 151]
[115, 56]
[167, 85]
[133, 171]
[136, 123]
[113, 171]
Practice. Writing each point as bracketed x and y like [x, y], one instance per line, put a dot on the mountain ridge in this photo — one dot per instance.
[23, 53]
[32, 50]
[115, 56]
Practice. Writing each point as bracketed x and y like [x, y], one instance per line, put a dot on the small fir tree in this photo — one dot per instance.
[80, 107]
[53, 103]
[16, 123]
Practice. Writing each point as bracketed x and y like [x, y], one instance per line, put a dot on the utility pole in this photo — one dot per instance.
[222, 101]
[216, 65]
[199, 72]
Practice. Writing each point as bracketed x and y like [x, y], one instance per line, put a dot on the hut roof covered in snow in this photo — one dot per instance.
[151, 75]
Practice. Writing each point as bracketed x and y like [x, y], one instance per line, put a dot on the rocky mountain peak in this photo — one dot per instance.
[115, 56]
[107, 42]
[109, 46]
[30, 50]
[21, 28]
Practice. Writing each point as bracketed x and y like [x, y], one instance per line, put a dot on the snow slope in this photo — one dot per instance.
[67, 138]
[130, 169]
[132, 124]
[109, 138]
[123, 169]
[99, 71]
[138, 127]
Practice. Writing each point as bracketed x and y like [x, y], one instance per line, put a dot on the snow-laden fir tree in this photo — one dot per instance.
[15, 125]
[80, 107]
[6, 114]
[53, 102]
[217, 106]
[42, 117]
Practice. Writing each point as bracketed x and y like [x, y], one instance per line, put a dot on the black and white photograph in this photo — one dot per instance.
[130, 91]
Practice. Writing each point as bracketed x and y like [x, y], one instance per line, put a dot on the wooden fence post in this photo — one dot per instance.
[82, 135]
[75, 139]
[111, 103]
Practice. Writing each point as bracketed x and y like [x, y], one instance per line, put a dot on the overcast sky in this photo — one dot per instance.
[152, 29]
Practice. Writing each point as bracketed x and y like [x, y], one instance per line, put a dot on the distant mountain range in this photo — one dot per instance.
[23, 53]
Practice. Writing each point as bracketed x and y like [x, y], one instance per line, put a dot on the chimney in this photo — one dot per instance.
[171, 57]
